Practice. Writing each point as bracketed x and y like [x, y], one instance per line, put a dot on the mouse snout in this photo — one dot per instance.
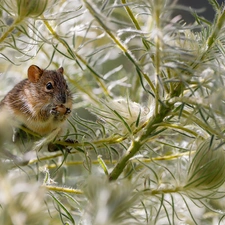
[60, 99]
[63, 98]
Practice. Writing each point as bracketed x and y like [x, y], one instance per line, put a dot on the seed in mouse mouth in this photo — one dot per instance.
[61, 109]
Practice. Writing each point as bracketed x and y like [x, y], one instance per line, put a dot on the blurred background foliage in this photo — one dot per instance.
[204, 8]
[148, 113]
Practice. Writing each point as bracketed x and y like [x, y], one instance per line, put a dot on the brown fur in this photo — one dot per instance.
[35, 106]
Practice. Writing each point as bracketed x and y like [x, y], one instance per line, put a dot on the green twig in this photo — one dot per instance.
[63, 42]
[136, 144]
[118, 43]
[135, 22]
[63, 189]
[16, 22]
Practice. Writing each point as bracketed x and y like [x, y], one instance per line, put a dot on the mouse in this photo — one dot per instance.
[42, 102]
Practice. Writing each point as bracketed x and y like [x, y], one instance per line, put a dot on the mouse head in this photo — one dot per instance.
[50, 85]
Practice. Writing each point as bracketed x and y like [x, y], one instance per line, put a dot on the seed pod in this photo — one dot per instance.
[31, 8]
[27, 8]
[207, 169]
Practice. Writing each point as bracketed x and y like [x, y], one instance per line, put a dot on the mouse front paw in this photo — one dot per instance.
[54, 111]
[60, 110]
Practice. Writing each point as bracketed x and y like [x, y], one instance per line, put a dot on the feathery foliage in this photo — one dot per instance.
[148, 114]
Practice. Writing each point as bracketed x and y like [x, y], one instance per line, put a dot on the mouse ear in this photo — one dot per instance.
[60, 70]
[34, 73]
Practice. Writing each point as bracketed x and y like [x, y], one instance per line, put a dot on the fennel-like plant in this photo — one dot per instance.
[148, 115]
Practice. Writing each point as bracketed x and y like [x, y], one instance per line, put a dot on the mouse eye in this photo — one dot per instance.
[49, 86]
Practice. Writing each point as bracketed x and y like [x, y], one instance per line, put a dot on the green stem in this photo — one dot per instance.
[10, 29]
[118, 43]
[57, 37]
[211, 40]
[200, 123]
[157, 57]
[217, 28]
[63, 189]
[135, 22]
[136, 144]
[163, 191]
[133, 149]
